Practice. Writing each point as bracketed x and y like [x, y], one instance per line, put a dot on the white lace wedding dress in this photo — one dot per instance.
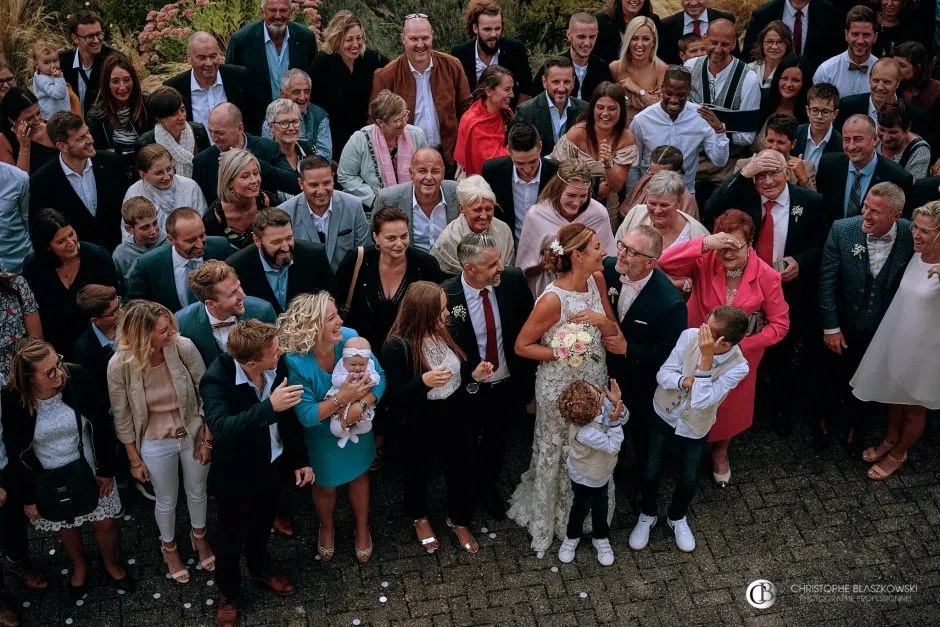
[543, 498]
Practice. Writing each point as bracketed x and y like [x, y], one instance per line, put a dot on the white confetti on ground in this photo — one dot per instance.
[383, 599]
[127, 517]
[187, 605]
[209, 601]
[492, 536]
[25, 603]
[540, 554]
[483, 529]
[198, 566]
[210, 583]
[51, 551]
[583, 595]
[384, 584]
[169, 576]
[79, 603]
[317, 557]
[64, 571]
[68, 621]
[190, 562]
[356, 621]
[554, 569]
[120, 591]
[156, 595]
[132, 561]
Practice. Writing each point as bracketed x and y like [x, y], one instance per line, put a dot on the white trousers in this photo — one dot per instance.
[163, 459]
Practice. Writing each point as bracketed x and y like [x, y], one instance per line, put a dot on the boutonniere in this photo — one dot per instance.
[796, 211]
[859, 250]
[459, 312]
[612, 293]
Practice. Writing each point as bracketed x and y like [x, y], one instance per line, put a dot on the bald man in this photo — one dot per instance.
[684, 23]
[227, 130]
[427, 199]
[209, 82]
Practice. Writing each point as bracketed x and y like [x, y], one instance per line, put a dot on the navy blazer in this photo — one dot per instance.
[535, 111]
[49, 187]
[239, 423]
[833, 172]
[651, 326]
[498, 173]
[833, 145]
[152, 277]
[512, 56]
[671, 31]
[822, 27]
[246, 48]
[514, 302]
[598, 71]
[93, 357]
[925, 190]
[236, 83]
[273, 178]
[193, 322]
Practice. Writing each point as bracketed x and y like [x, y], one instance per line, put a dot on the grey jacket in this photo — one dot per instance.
[347, 228]
[127, 253]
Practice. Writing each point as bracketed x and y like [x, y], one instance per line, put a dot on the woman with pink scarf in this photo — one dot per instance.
[379, 155]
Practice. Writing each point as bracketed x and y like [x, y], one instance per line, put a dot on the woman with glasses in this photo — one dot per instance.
[379, 155]
[153, 384]
[774, 42]
[161, 184]
[59, 267]
[24, 141]
[7, 78]
[54, 421]
[183, 139]
[285, 121]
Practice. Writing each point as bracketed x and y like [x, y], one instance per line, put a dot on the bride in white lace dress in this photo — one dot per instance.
[543, 498]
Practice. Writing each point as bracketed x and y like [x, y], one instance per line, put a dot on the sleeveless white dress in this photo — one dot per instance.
[902, 363]
[543, 498]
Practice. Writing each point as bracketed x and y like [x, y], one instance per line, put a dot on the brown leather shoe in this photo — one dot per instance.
[8, 617]
[277, 583]
[25, 570]
[227, 614]
[284, 526]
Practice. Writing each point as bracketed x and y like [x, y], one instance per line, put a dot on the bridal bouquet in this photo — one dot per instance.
[571, 344]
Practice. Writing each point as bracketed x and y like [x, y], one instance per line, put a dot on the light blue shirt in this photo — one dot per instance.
[277, 279]
[14, 218]
[277, 63]
[103, 339]
[558, 119]
[867, 173]
[813, 151]
[241, 377]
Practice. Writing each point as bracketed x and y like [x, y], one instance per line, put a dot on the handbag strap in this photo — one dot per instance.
[360, 253]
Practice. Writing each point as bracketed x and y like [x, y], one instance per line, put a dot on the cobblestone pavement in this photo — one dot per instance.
[791, 516]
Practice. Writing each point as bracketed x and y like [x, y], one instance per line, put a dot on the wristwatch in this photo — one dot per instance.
[723, 129]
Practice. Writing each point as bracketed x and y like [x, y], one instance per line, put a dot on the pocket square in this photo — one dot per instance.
[643, 322]
[344, 232]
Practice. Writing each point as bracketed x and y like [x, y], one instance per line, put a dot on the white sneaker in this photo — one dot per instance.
[684, 538]
[605, 554]
[566, 552]
[640, 536]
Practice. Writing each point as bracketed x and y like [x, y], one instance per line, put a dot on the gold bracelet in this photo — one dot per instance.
[337, 403]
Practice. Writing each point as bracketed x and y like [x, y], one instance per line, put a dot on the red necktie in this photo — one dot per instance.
[798, 32]
[492, 354]
[696, 29]
[765, 237]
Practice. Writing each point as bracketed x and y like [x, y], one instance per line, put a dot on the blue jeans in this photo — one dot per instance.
[690, 455]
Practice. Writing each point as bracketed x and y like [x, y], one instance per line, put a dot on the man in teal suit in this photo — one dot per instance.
[221, 303]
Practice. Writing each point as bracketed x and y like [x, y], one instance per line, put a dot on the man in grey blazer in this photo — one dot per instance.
[428, 200]
[554, 111]
[222, 302]
[323, 215]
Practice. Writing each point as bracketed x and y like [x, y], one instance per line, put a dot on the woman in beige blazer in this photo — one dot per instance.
[153, 382]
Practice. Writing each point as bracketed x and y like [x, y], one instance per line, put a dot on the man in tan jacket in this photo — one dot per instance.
[432, 83]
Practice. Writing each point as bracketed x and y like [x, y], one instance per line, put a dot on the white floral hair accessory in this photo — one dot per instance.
[557, 248]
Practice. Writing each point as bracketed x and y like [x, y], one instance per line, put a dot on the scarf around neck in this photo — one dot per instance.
[182, 152]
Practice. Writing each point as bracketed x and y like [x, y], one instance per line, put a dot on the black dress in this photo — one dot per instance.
[62, 321]
[344, 94]
[216, 225]
[39, 155]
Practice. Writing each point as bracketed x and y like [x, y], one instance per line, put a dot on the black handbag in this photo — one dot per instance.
[65, 493]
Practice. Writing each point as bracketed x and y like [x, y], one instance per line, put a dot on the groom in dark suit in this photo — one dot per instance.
[789, 234]
[488, 333]
[652, 315]
[863, 261]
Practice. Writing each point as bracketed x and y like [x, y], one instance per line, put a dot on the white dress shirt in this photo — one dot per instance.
[82, 87]
[629, 290]
[480, 64]
[750, 95]
[789, 18]
[180, 272]
[689, 133]
[706, 390]
[524, 195]
[84, 184]
[426, 229]
[221, 334]
[689, 23]
[781, 215]
[813, 151]
[835, 70]
[322, 223]
[425, 109]
[204, 100]
[475, 310]
[558, 119]
[277, 445]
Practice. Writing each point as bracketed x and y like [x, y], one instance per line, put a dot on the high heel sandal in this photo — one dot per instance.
[326, 554]
[876, 473]
[428, 541]
[471, 546]
[180, 576]
[875, 454]
[207, 564]
[363, 555]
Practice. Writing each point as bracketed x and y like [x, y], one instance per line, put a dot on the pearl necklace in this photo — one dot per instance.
[734, 274]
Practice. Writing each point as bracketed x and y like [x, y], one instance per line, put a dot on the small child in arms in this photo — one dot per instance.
[48, 83]
[355, 366]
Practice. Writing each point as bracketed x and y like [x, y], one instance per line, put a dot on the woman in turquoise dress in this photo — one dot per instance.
[313, 335]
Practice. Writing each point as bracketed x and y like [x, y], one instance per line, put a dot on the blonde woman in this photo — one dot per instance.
[312, 334]
[153, 382]
[639, 69]
[240, 198]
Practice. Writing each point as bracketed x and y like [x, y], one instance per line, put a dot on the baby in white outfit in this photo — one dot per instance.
[356, 365]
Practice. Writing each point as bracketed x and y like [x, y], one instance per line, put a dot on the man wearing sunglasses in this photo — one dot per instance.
[81, 66]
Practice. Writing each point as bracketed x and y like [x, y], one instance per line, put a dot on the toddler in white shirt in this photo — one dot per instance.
[355, 366]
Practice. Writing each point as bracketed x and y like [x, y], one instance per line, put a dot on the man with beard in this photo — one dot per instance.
[81, 66]
[278, 268]
[681, 124]
[652, 315]
[849, 71]
[271, 47]
[160, 275]
[488, 46]
[554, 110]
[498, 302]
[589, 69]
